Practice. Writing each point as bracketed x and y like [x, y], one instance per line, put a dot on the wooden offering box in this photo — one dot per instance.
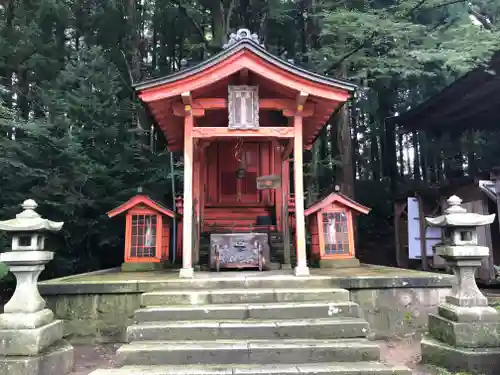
[147, 233]
[331, 229]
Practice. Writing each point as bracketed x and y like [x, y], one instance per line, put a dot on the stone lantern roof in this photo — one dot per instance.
[29, 220]
[457, 216]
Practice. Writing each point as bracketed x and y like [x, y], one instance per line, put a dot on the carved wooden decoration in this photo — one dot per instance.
[243, 107]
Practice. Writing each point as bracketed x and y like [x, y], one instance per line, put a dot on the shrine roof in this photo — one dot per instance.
[141, 199]
[252, 46]
[339, 199]
[243, 61]
[468, 103]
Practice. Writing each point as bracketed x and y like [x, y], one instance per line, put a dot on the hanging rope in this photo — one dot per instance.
[237, 150]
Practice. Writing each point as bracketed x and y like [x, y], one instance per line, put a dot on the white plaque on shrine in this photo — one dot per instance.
[243, 107]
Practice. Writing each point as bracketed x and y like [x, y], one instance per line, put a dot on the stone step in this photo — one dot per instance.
[335, 328]
[250, 280]
[232, 296]
[281, 310]
[332, 368]
[246, 352]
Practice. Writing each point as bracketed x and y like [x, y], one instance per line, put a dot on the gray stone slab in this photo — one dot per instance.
[316, 294]
[484, 361]
[468, 314]
[211, 312]
[182, 353]
[470, 335]
[177, 297]
[344, 368]
[310, 351]
[242, 296]
[280, 310]
[30, 341]
[26, 320]
[246, 352]
[328, 328]
[303, 310]
[56, 360]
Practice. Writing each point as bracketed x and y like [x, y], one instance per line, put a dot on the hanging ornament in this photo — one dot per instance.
[240, 159]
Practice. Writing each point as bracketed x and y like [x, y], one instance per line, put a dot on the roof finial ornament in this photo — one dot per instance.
[242, 34]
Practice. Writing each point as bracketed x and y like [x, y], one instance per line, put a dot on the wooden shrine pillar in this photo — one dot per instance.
[187, 219]
[300, 231]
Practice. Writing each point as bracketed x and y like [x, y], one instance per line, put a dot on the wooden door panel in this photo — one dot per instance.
[227, 166]
[231, 189]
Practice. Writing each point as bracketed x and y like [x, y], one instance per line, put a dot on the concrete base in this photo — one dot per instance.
[30, 341]
[143, 266]
[26, 320]
[57, 360]
[186, 273]
[339, 263]
[484, 361]
[469, 335]
[301, 271]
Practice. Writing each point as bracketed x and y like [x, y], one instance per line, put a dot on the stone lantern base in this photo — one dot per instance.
[55, 360]
[465, 334]
[485, 361]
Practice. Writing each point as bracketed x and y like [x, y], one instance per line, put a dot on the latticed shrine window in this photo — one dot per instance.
[243, 107]
[335, 233]
[143, 236]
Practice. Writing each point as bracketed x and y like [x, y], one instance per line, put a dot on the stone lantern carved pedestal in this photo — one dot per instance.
[465, 334]
[31, 341]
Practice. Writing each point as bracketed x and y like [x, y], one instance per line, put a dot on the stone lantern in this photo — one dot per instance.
[465, 334]
[31, 340]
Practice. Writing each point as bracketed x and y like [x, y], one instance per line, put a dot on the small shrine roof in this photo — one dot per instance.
[141, 199]
[337, 198]
[29, 220]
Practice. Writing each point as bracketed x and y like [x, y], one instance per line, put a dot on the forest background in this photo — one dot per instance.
[74, 137]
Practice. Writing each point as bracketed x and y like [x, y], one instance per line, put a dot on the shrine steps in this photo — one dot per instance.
[231, 296]
[227, 352]
[249, 329]
[305, 328]
[283, 310]
[339, 368]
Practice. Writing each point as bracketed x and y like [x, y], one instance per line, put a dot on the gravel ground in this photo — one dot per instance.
[407, 352]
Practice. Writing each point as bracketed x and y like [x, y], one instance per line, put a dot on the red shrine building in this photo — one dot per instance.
[242, 120]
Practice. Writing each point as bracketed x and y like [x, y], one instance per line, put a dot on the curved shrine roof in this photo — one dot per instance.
[276, 78]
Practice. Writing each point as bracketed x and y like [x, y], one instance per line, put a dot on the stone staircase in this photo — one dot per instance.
[278, 327]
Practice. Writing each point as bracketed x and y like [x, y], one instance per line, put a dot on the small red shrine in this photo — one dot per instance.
[147, 233]
[239, 116]
[330, 224]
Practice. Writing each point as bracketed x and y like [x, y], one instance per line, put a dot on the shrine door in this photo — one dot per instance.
[235, 187]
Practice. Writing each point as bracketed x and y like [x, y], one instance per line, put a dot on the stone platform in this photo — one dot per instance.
[99, 306]
[251, 326]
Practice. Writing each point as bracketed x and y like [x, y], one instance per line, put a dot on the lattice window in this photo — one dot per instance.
[143, 236]
[335, 233]
[243, 107]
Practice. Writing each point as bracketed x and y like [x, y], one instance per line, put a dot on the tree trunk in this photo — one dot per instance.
[416, 159]
[344, 147]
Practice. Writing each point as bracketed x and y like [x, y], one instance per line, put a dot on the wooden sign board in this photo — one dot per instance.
[268, 182]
